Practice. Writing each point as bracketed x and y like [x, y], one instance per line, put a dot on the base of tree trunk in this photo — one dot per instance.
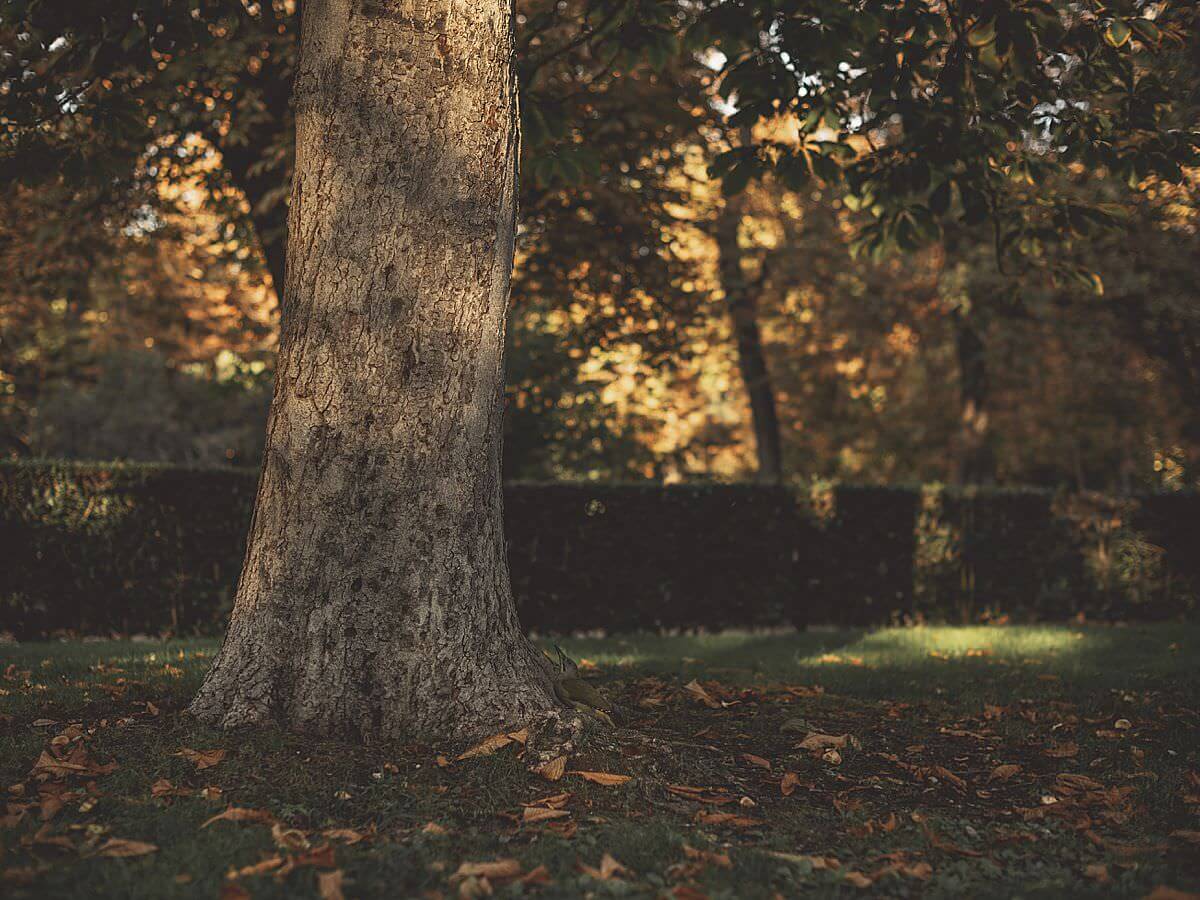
[396, 696]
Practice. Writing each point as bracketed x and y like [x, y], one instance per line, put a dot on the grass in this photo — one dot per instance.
[922, 799]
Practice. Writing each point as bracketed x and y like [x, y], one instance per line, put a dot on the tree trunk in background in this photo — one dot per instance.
[374, 598]
[742, 300]
[976, 464]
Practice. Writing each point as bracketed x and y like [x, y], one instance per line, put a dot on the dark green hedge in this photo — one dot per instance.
[96, 548]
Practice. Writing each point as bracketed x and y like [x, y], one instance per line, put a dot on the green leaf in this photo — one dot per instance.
[982, 34]
[1117, 34]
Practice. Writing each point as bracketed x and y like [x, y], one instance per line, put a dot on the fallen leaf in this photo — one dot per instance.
[552, 770]
[1005, 772]
[346, 835]
[258, 868]
[858, 879]
[241, 814]
[204, 759]
[756, 760]
[1097, 872]
[723, 818]
[1192, 837]
[789, 783]
[541, 814]
[1062, 751]
[817, 741]
[484, 748]
[495, 869]
[609, 869]
[329, 885]
[234, 891]
[697, 690]
[119, 847]
[433, 828]
[832, 757]
[1162, 892]
[816, 862]
[605, 778]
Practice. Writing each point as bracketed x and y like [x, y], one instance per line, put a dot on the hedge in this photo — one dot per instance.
[99, 548]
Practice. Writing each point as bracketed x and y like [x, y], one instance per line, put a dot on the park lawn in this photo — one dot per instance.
[1003, 761]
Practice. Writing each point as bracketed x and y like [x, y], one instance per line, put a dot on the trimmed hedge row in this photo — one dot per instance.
[94, 548]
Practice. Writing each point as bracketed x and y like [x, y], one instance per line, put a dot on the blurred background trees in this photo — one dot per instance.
[661, 327]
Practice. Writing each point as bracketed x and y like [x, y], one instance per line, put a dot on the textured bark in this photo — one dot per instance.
[374, 598]
[742, 300]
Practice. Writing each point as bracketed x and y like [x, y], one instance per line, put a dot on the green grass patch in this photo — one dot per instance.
[1032, 761]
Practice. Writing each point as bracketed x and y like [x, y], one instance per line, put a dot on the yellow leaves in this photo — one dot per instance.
[1004, 772]
[121, 848]
[609, 869]
[603, 778]
[204, 759]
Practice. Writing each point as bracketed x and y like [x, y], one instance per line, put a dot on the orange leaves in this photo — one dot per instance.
[204, 759]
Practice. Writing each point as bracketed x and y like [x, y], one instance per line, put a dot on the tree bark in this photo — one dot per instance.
[375, 599]
[742, 301]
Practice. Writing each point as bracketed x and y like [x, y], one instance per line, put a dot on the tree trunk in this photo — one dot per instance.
[976, 459]
[374, 599]
[742, 300]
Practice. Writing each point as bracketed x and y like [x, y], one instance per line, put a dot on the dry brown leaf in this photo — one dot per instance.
[1162, 892]
[817, 862]
[1062, 751]
[607, 779]
[609, 869]
[234, 891]
[292, 839]
[708, 856]
[697, 690]
[486, 747]
[329, 885]
[541, 814]
[346, 835]
[520, 736]
[922, 871]
[858, 879]
[241, 814]
[538, 876]
[756, 760]
[552, 770]
[687, 892]
[119, 847]
[788, 783]
[433, 828]
[1005, 772]
[1192, 837]
[817, 741]
[723, 818]
[204, 759]
[259, 868]
[1097, 872]
[494, 869]
[832, 757]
